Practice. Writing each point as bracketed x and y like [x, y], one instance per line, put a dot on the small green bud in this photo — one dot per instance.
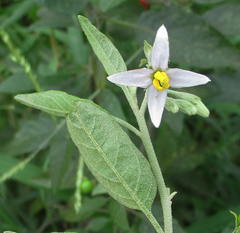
[239, 220]
[171, 106]
[202, 110]
[143, 62]
[147, 48]
[186, 107]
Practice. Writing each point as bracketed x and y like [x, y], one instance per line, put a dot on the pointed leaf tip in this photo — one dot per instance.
[54, 102]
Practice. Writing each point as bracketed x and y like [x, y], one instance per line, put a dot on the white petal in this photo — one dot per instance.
[183, 78]
[156, 103]
[160, 50]
[136, 78]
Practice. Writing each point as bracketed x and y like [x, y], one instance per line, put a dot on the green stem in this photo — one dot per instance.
[79, 178]
[164, 196]
[128, 126]
[154, 222]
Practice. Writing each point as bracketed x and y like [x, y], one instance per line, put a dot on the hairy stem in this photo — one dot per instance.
[164, 196]
[128, 126]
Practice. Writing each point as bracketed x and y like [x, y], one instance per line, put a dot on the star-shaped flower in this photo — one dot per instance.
[158, 77]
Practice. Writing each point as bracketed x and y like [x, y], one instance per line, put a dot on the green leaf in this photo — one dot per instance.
[17, 83]
[112, 104]
[98, 189]
[103, 48]
[25, 176]
[213, 224]
[111, 156]
[31, 134]
[59, 158]
[147, 48]
[192, 41]
[19, 12]
[49, 18]
[64, 6]
[207, 1]
[106, 5]
[118, 214]
[54, 102]
[89, 206]
[78, 49]
[97, 224]
[225, 18]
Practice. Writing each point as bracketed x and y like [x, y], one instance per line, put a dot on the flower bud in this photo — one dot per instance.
[171, 106]
[202, 110]
[186, 107]
[147, 48]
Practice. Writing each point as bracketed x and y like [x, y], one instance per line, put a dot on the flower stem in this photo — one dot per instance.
[128, 126]
[164, 196]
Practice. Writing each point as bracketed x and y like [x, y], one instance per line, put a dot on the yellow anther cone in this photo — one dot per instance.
[161, 81]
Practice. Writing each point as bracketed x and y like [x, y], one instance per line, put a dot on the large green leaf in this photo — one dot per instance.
[103, 48]
[225, 18]
[54, 102]
[192, 41]
[111, 156]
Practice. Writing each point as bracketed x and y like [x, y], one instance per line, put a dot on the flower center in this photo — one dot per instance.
[161, 81]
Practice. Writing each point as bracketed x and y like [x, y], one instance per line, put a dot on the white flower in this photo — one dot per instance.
[158, 79]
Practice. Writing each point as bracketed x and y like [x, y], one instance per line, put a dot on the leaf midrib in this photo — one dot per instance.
[140, 204]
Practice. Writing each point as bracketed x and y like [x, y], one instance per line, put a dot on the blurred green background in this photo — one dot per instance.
[199, 157]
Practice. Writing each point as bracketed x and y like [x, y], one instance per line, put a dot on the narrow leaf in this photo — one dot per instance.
[54, 102]
[103, 48]
[111, 156]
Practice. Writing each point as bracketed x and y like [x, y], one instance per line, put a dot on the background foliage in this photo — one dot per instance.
[199, 157]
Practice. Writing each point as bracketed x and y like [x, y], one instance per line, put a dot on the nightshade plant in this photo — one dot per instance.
[107, 150]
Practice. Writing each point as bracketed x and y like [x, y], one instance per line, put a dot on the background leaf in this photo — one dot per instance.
[59, 157]
[67, 7]
[192, 42]
[118, 214]
[17, 83]
[106, 5]
[225, 18]
[207, 1]
[107, 150]
[30, 135]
